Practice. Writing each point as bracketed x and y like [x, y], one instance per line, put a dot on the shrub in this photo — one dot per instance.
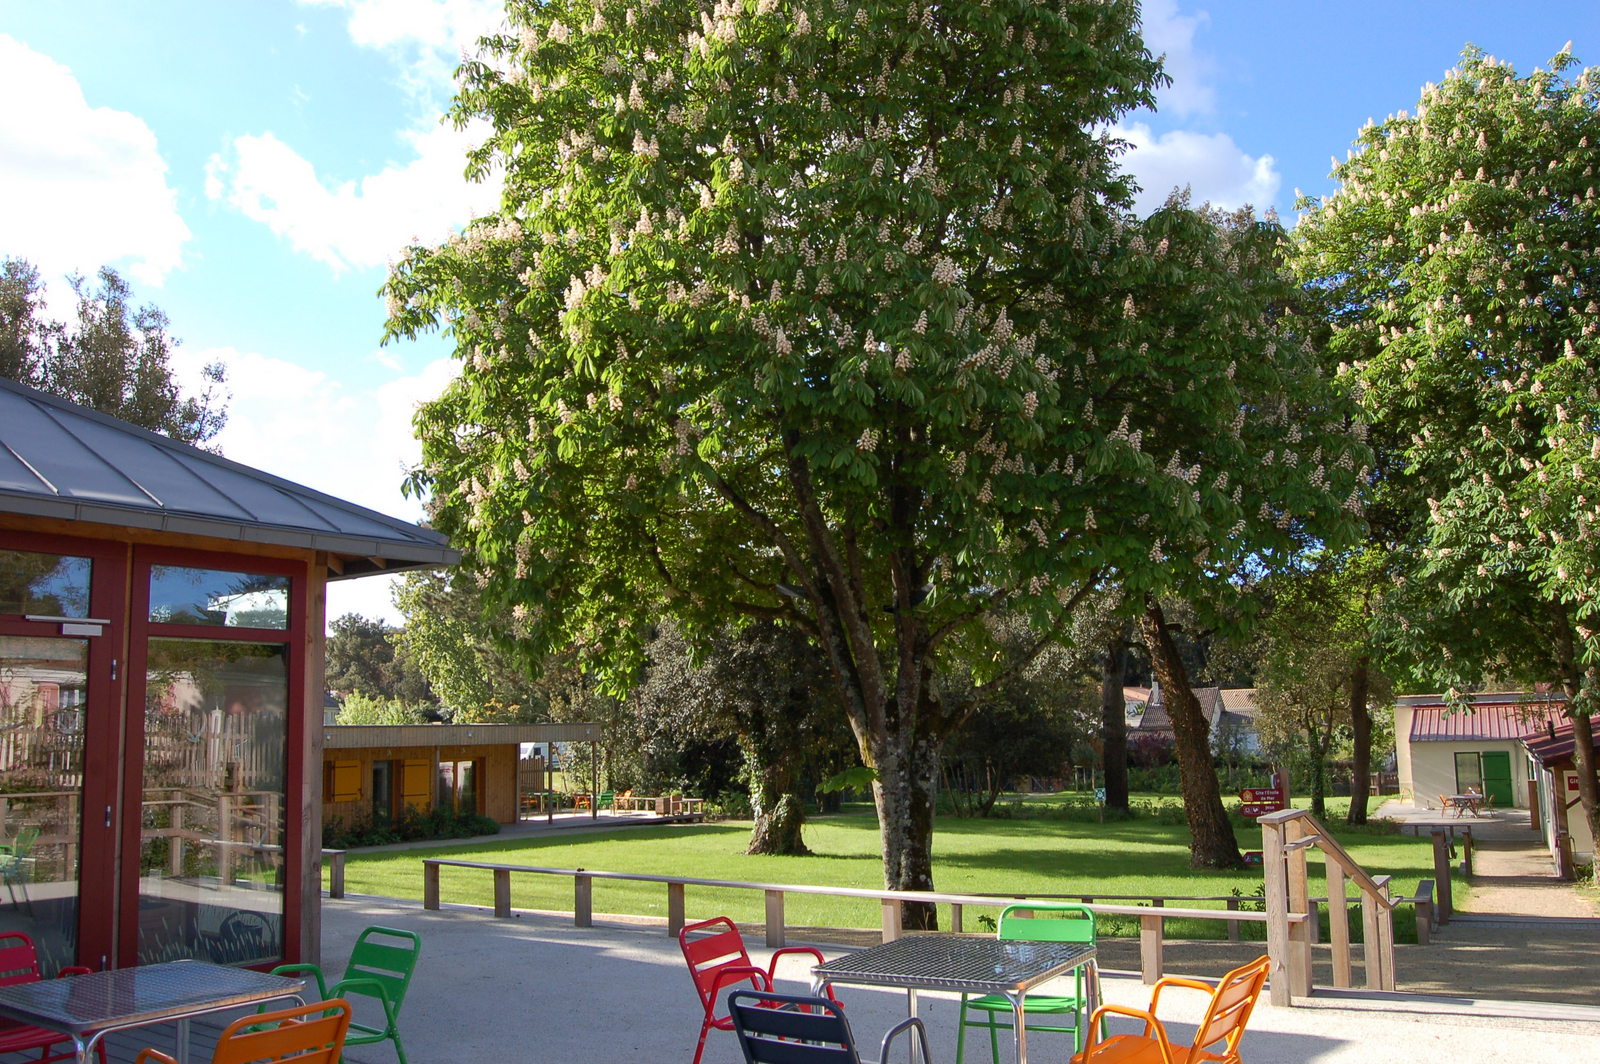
[409, 826]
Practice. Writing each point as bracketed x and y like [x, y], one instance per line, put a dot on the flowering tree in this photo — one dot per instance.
[1459, 255]
[833, 314]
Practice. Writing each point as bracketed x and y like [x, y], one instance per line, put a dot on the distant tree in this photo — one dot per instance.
[465, 656]
[113, 357]
[767, 688]
[363, 657]
[362, 709]
[1028, 723]
[1460, 262]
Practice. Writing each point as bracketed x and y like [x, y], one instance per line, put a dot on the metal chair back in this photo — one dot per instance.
[305, 1034]
[796, 1029]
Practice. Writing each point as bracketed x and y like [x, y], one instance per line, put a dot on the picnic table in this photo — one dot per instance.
[1464, 804]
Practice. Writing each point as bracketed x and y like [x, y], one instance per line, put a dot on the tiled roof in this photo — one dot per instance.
[58, 459]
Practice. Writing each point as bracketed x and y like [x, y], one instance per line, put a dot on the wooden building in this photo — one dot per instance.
[161, 689]
[377, 771]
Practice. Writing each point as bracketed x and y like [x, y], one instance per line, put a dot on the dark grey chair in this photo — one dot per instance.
[794, 1029]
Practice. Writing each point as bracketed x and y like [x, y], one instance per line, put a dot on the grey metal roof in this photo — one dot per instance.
[62, 460]
[370, 736]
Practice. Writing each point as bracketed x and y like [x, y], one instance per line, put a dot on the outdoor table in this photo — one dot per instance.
[88, 1007]
[966, 965]
[1466, 803]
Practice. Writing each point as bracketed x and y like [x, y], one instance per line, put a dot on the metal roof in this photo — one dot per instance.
[62, 460]
[1506, 721]
[370, 736]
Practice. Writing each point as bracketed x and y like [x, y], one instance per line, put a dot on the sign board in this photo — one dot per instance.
[1253, 858]
[1258, 801]
[1572, 783]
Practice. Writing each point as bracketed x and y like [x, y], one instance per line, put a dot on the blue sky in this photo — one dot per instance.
[252, 166]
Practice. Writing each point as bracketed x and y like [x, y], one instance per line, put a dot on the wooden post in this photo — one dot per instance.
[334, 859]
[430, 885]
[1423, 902]
[1274, 869]
[891, 919]
[1441, 875]
[1150, 961]
[775, 935]
[675, 909]
[1385, 916]
[1370, 949]
[955, 918]
[1233, 925]
[1534, 812]
[502, 893]
[582, 901]
[1300, 935]
[1339, 924]
[1466, 853]
[175, 845]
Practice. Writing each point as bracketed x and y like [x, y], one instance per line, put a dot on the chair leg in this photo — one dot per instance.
[399, 1050]
[961, 1031]
[994, 1037]
[699, 1049]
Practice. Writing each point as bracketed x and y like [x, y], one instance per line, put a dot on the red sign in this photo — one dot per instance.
[1572, 783]
[1254, 809]
[1260, 794]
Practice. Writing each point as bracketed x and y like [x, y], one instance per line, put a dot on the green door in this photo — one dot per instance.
[1497, 778]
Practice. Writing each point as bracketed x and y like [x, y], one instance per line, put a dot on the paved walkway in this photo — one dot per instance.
[1519, 932]
[535, 988]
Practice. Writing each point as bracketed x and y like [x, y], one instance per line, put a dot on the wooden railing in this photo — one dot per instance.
[1152, 920]
[1285, 839]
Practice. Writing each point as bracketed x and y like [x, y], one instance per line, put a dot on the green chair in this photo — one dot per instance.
[16, 865]
[380, 967]
[1033, 922]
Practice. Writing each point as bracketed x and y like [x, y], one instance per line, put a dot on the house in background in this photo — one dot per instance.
[1478, 747]
[1230, 712]
[377, 771]
[161, 684]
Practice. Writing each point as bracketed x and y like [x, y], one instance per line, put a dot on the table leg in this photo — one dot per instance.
[181, 1050]
[911, 1010]
[1019, 1027]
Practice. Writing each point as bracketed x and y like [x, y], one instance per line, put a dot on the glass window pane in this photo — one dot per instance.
[181, 595]
[211, 849]
[1469, 773]
[42, 685]
[56, 585]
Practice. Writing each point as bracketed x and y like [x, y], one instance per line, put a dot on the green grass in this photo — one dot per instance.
[1041, 854]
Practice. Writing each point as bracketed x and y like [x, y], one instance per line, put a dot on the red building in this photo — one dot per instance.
[161, 687]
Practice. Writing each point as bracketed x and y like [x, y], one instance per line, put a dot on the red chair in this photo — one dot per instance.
[718, 960]
[19, 963]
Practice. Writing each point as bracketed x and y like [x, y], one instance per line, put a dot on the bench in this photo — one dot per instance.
[1423, 900]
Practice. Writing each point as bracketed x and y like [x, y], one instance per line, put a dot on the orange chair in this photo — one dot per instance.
[305, 1034]
[19, 963]
[718, 960]
[1231, 1003]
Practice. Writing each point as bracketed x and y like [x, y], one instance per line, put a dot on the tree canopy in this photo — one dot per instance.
[835, 314]
[1460, 261]
[114, 357]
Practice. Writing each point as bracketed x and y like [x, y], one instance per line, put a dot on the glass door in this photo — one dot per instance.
[60, 640]
[212, 664]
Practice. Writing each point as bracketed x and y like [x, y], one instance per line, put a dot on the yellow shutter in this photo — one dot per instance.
[345, 785]
[416, 785]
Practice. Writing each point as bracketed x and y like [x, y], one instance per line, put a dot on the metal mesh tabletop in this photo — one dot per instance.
[970, 965]
[127, 996]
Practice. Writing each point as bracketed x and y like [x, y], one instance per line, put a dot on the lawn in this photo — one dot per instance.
[1040, 854]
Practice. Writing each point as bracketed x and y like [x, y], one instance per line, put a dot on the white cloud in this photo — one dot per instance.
[83, 186]
[354, 224]
[306, 426]
[1214, 168]
[365, 223]
[1170, 34]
